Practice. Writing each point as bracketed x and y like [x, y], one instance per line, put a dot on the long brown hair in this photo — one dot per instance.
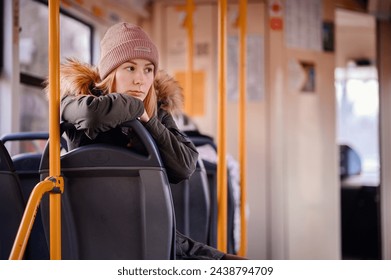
[107, 85]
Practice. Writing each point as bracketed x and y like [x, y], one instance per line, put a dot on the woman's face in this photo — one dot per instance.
[135, 78]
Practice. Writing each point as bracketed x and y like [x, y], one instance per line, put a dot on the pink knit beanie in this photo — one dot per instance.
[123, 42]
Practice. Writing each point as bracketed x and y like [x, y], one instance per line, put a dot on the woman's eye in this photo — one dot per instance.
[148, 70]
[130, 68]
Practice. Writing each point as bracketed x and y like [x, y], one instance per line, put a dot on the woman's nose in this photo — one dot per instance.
[138, 78]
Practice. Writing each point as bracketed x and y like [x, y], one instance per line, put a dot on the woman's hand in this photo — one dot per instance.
[144, 118]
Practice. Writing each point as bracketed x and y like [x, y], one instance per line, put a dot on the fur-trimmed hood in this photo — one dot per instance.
[77, 78]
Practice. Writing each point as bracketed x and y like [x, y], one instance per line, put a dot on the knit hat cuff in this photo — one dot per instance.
[127, 51]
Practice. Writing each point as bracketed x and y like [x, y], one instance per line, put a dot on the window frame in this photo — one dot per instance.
[36, 81]
[2, 25]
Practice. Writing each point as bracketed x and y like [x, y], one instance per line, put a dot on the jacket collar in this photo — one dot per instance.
[77, 78]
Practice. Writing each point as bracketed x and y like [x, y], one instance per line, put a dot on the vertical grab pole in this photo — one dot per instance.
[242, 124]
[190, 43]
[221, 151]
[54, 130]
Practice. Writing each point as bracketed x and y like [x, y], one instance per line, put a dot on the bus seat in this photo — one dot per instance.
[192, 205]
[27, 169]
[11, 203]
[180, 195]
[211, 171]
[26, 166]
[349, 162]
[199, 204]
[116, 203]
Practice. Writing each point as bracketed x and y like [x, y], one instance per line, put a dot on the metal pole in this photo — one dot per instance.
[54, 122]
[190, 47]
[221, 148]
[242, 125]
[54, 183]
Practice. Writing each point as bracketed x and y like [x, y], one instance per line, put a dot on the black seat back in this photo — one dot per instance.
[26, 166]
[116, 203]
[211, 171]
[11, 203]
[192, 205]
[199, 204]
[181, 200]
[27, 163]
[349, 162]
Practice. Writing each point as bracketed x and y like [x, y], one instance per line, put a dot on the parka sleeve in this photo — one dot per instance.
[99, 114]
[178, 153]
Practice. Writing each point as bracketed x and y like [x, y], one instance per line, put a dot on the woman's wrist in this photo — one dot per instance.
[144, 118]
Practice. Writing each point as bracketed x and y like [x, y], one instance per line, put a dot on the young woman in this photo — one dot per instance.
[125, 86]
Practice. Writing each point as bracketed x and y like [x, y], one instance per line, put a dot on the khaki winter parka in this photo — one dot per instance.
[97, 117]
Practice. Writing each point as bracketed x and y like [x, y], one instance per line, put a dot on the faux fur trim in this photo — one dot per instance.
[169, 92]
[77, 78]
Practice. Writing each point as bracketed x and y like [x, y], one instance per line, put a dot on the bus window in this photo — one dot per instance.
[76, 41]
[75, 38]
[1, 34]
[358, 114]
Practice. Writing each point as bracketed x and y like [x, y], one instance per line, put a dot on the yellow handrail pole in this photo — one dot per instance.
[190, 51]
[242, 124]
[54, 130]
[221, 151]
[54, 182]
[28, 218]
